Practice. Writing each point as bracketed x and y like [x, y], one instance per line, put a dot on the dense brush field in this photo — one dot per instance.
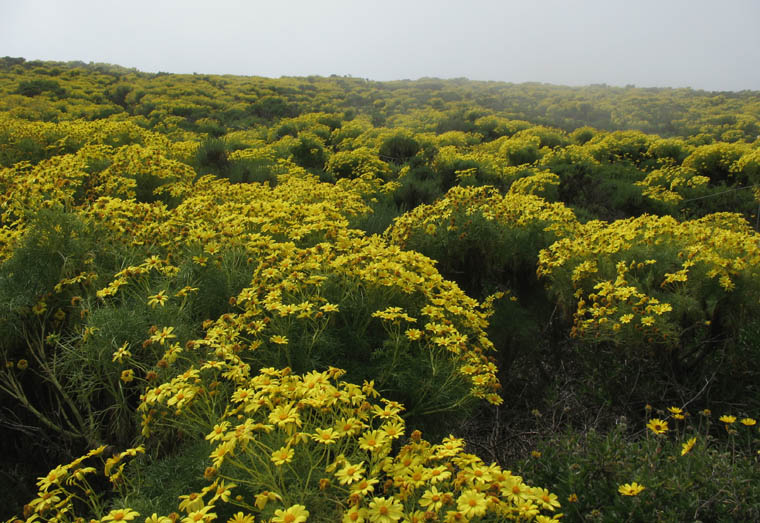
[243, 299]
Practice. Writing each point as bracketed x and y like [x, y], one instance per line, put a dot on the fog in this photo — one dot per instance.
[674, 43]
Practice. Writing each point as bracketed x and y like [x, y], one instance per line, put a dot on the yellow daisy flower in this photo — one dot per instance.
[631, 489]
[686, 447]
[657, 426]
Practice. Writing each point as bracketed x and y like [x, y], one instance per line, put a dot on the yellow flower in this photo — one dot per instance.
[265, 497]
[387, 412]
[279, 340]
[199, 515]
[372, 441]
[39, 308]
[45, 501]
[393, 430]
[158, 299]
[282, 456]
[185, 290]
[121, 353]
[219, 454]
[432, 500]
[218, 431]
[223, 492]
[631, 489]
[348, 426]
[548, 500]
[384, 510]
[325, 436]
[515, 489]
[686, 447]
[364, 486]
[355, 514]
[748, 422]
[413, 334]
[294, 514]
[727, 419]
[350, 473]
[127, 375]
[726, 283]
[438, 474]
[657, 426]
[329, 307]
[471, 503]
[122, 514]
[165, 334]
[53, 477]
[241, 518]
[191, 502]
[284, 415]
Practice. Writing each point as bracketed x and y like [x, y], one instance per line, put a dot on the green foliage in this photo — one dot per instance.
[211, 157]
[167, 478]
[354, 164]
[309, 152]
[418, 186]
[521, 150]
[118, 94]
[715, 481]
[124, 267]
[399, 148]
[252, 170]
[384, 211]
[665, 293]
[43, 323]
[582, 135]
[38, 86]
[270, 107]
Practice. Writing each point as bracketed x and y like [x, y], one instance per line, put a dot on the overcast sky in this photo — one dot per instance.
[704, 44]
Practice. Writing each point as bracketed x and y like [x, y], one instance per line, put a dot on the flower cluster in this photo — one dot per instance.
[284, 435]
[638, 279]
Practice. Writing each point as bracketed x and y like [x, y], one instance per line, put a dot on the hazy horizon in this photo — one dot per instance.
[680, 43]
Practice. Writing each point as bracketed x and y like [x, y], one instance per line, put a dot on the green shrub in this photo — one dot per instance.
[211, 157]
[668, 295]
[309, 152]
[712, 477]
[399, 148]
[36, 87]
[355, 163]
